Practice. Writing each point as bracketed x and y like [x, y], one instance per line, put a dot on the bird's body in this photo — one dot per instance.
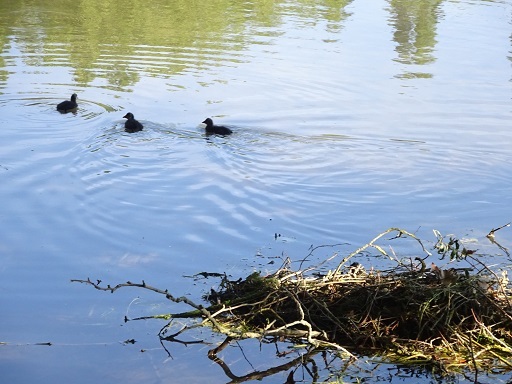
[218, 129]
[131, 125]
[68, 105]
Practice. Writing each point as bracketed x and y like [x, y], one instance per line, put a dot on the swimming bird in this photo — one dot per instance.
[68, 105]
[131, 125]
[218, 129]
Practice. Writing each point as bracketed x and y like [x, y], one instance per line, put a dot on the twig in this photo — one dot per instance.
[372, 244]
[490, 235]
[472, 352]
[313, 249]
[492, 239]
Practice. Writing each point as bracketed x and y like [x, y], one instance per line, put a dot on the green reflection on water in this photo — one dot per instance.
[415, 25]
[118, 42]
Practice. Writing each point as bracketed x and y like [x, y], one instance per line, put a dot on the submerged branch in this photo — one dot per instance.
[256, 375]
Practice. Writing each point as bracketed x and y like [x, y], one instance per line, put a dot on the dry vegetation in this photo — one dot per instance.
[455, 319]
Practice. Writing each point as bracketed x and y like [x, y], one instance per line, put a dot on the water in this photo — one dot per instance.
[350, 117]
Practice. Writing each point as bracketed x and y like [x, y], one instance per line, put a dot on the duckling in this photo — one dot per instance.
[218, 129]
[131, 125]
[68, 105]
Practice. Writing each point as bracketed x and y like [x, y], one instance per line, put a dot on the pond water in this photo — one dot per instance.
[349, 117]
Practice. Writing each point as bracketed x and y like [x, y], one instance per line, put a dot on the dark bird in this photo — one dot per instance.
[218, 129]
[131, 125]
[68, 105]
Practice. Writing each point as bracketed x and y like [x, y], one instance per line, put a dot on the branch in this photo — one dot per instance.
[166, 293]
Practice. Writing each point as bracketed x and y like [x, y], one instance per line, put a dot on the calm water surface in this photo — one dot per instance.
[349, 116]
